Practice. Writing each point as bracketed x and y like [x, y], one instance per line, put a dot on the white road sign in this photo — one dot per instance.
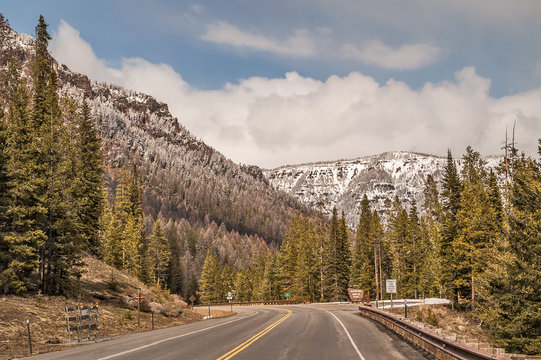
[390, 286]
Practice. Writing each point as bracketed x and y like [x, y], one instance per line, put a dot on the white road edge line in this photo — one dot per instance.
[172, 338]
[349, 336]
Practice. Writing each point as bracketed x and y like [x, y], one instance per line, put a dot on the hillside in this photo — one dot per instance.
[343, 183]
[184, 177]
[204, 199]
[100, 283]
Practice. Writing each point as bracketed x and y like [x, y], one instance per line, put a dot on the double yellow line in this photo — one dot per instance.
[253, 339]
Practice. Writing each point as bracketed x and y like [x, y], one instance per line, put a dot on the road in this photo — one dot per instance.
[314, 331]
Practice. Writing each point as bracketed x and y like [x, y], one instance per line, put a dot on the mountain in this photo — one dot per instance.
[185, 180]
[342, 184]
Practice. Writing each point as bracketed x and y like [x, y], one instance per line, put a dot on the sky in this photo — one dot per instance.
[282, 82]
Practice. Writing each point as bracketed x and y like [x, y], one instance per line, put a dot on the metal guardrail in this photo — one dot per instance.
[438, 346]
[249, 303]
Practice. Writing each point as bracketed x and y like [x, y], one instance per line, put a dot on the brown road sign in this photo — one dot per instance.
[192, 298]
[356, 294]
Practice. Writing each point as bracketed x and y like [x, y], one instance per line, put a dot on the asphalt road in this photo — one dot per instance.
[315, 331]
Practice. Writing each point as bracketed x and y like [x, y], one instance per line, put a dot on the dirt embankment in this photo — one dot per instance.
[112, 289]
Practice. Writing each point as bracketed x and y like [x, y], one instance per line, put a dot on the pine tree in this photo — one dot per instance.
[336, 260]
[344, 260]
[289, 255]
[111, 242]
[306, 278]
[399, 235]
[382, 264]
[4, 193]
[362, 270]
[451, 194]
[271, 282]
[131, 246]
[25, 211]
[127, 214]
[159, 254]
[477, 228]
[176, 269]
[90, 173]
[414, 255]
[209, 284]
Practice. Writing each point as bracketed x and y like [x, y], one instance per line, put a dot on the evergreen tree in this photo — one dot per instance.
[399, 235]
[90, 174]
[25, 211]
[451, 194]
[306, 279]
[209, 284]
[477, 228]
[362, 269]
[336, 260]
[176, 269]
[343, 261]
[414, 255]
[382, 261]
[289, 255]
[271, 282]
[159, 254]
[4, 192]
[130, 243]
[111, 242]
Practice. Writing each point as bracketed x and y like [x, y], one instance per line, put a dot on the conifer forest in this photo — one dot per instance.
[476, 239]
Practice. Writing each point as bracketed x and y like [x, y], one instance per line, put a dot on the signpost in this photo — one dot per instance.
[140, 297]
[287, 295]
[192, 299]
[390, 288]
[230, 297]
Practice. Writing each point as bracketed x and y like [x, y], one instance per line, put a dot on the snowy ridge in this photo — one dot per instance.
[342, 184]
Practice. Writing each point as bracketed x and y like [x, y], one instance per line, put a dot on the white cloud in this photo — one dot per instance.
[272, 122]
[405, 57]
[300, 44]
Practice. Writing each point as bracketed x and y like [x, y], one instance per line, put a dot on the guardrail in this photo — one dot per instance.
[250, 303]
[438, 346]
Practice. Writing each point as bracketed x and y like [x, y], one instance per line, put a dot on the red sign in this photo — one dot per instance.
[192, 298]
[141, 297]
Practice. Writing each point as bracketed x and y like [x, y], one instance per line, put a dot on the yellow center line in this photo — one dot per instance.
[254, 338]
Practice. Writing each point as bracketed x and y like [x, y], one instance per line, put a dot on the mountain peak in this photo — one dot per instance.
[343, 183]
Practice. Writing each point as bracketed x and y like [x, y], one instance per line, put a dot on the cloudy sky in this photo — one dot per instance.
[288, 81]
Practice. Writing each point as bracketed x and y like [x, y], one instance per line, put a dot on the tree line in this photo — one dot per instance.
[476, 241]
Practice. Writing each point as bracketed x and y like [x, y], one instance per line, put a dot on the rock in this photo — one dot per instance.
[155, 307]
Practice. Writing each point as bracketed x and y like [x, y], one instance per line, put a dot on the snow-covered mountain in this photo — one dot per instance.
[342, 184]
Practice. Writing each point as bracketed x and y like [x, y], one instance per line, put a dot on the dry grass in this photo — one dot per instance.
[117, 315]
[460, 323]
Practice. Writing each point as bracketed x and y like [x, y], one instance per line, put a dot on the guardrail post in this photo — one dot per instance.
[29, 338]
[406, 308]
